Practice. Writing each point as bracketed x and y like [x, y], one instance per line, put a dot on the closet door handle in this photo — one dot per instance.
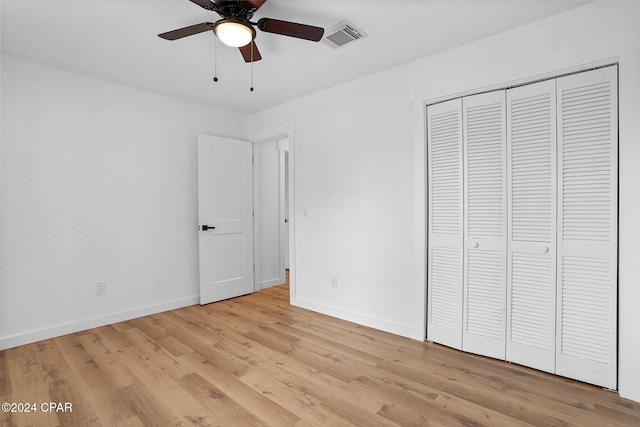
[475, 244]
[544, 249]
[208, 227]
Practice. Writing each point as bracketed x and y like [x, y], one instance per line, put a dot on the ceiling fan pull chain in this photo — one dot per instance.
[252, 46]
[215, 61]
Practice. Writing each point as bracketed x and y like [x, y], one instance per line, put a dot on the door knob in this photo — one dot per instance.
[207, 227]
[544, 249]
[475, 245]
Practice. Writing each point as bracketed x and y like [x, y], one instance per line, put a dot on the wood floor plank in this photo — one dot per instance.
[614, 403]
[350, 339]
[151, 412]
[161, 385]
[258, 403]
[92, 382]
[64, 387]
[295, 394]
[149, 354]
[112, 335]
[356, 414]
[30, 385]
[269, 337]
[258, 361]
[294, 365]
[130, 422]
[5, 387]
[430, 404]
[106, 357]
[332, 363]
[208, 350]
[332, 346]
[614, 417]
[5, 383]
[227, 411]
[495, 399]
[264, 312]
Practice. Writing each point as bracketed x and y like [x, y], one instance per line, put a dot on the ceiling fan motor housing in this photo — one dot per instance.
[235, 9]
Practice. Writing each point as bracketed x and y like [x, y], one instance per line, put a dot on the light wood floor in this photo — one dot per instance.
[256, 360]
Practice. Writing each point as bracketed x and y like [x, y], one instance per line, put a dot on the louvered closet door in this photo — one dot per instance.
[485, 224]
[531, 261]
[444, 259]
[587, 226]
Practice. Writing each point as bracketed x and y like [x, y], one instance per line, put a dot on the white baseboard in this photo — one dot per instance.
[407, 331]
[95, 322]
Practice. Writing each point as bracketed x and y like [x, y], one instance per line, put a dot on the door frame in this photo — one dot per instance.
[281, 145]
[270, 133]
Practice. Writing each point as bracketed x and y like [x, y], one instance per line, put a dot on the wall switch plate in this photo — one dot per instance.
[101, 288]
[334, 282]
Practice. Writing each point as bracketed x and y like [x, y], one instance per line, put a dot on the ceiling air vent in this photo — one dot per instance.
[342, 34]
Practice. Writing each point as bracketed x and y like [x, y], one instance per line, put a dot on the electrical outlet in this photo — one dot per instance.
[334, 282]
[101, 288]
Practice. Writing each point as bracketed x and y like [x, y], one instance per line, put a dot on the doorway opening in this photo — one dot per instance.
[274, 218]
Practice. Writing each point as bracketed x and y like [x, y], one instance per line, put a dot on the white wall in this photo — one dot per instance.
[359, 168]
[99, 183]
[354, 172]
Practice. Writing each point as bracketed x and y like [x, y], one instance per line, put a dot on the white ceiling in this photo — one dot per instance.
[116, 40]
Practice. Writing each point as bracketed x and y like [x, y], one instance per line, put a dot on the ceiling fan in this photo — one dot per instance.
[235, 28]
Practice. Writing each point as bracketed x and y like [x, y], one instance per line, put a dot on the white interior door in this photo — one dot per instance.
[445, 223]
[225, 214]
[485, 224]
[588, 226]
[531, 272]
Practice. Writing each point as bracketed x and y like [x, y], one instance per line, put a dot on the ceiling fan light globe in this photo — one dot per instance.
[235, 34]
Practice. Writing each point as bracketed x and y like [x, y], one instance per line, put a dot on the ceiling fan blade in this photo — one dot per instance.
[204, 3]
[247, 53]
[251, 4]
[291, 29]
[187, 31]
